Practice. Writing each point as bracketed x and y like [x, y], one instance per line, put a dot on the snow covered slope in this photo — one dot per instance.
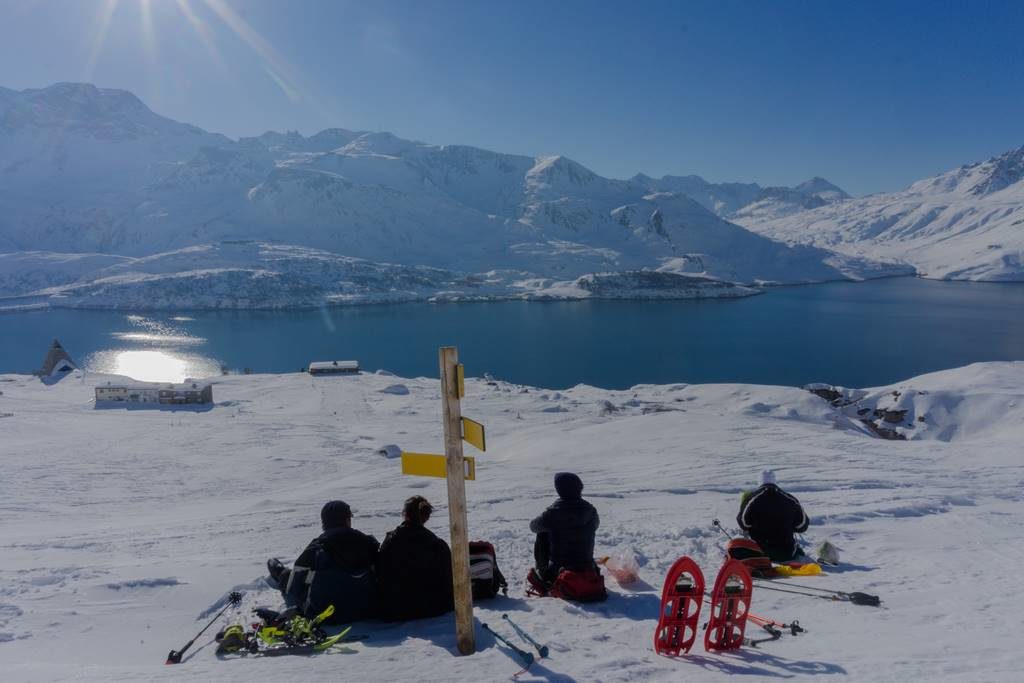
[122, 530]
[777, 202]
[95, 170]
[966, 224]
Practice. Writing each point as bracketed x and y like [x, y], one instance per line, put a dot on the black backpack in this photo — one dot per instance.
[484, 574]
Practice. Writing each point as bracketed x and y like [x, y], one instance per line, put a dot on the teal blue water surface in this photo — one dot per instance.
[855, 334]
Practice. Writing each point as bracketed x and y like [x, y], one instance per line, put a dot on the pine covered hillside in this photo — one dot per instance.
[966, 224]
[88, 169]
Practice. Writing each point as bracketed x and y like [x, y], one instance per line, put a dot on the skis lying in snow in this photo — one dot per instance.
[281, 633]
[303, 649]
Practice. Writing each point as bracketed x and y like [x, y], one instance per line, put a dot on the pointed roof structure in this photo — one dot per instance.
[57, 361]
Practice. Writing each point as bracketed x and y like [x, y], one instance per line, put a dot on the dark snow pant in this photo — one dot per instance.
[542, 558]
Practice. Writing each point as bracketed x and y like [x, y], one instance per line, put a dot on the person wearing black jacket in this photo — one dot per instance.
[771, 517]
[336, 568]
[414, 568]
[565, 531]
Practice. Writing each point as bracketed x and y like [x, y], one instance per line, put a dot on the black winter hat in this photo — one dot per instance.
[334, 514]
[568, 485]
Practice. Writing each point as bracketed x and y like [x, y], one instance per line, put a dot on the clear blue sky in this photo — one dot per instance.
[871, 95]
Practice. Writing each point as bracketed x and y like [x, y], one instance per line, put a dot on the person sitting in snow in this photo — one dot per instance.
[771, 517]
[414, 568]
[565, 533]
[336, 568]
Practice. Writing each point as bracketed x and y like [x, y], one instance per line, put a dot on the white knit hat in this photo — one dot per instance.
[767, 477]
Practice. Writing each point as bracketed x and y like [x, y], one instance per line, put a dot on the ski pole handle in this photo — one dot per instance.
[859, 598]
[523, 654]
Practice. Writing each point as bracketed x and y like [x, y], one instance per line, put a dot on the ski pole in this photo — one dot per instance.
[234, 597]
[794, 626]
[523, 654]
[767, 624]
[542, 650]
[857, 598]
[864, 598]
[718, 525]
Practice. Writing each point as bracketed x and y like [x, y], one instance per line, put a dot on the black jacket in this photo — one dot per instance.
[414, 574]
[771, 517]
[570, 526]
[336, 568]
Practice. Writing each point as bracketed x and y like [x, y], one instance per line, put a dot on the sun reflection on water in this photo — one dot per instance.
[152, 365]
[154, 354]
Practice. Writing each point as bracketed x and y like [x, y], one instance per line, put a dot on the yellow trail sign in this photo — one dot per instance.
[473, 433]
[429, 465]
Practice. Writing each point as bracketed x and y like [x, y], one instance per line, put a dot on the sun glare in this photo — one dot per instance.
[273, 63]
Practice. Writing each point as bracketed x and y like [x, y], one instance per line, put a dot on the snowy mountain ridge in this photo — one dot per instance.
[98, 172]
[965, 224]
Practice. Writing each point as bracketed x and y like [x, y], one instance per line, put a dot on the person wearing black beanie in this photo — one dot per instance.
[335, 568]
[565, 531]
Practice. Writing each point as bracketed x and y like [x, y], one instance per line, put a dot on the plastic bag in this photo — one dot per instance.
[623, 567]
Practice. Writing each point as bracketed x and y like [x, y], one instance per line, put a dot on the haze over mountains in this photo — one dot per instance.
[84, 169]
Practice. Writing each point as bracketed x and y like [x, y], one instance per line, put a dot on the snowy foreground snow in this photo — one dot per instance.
[122, 530]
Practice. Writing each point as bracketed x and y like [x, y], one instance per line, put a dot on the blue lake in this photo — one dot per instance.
[855, 334]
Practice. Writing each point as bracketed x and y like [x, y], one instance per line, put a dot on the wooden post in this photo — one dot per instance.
[464, 628]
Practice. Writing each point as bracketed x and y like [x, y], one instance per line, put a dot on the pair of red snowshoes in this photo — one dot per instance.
[681, 602]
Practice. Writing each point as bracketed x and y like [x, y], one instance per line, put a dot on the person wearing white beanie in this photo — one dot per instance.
[771, 517]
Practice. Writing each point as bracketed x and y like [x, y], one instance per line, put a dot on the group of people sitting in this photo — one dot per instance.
[409, 575]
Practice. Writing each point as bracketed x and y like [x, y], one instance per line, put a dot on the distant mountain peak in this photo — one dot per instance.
[818, 185]
[999, 172]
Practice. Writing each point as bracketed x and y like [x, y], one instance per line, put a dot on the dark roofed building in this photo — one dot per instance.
[57, 362]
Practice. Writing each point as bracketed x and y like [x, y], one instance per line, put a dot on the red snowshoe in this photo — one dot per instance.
[681, 600]
[730, 605]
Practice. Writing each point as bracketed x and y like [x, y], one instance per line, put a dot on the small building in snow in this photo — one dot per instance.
[334, 367]
[57, 362]
[155, 392]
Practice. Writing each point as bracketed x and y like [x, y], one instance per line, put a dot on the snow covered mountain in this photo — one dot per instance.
[966, 224]
[777, 202]
[91, 170]
[721, 198]
[730, 200]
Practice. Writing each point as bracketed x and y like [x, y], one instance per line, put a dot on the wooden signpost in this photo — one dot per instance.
[456, 469]
[452, 389]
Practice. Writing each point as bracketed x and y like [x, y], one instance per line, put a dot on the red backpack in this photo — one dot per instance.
[751, 555]
[585, 586]
[577, 586]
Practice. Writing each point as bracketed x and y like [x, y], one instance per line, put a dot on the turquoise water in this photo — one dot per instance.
[855, 334]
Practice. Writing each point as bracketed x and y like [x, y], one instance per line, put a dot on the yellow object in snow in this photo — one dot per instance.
[809, 569]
